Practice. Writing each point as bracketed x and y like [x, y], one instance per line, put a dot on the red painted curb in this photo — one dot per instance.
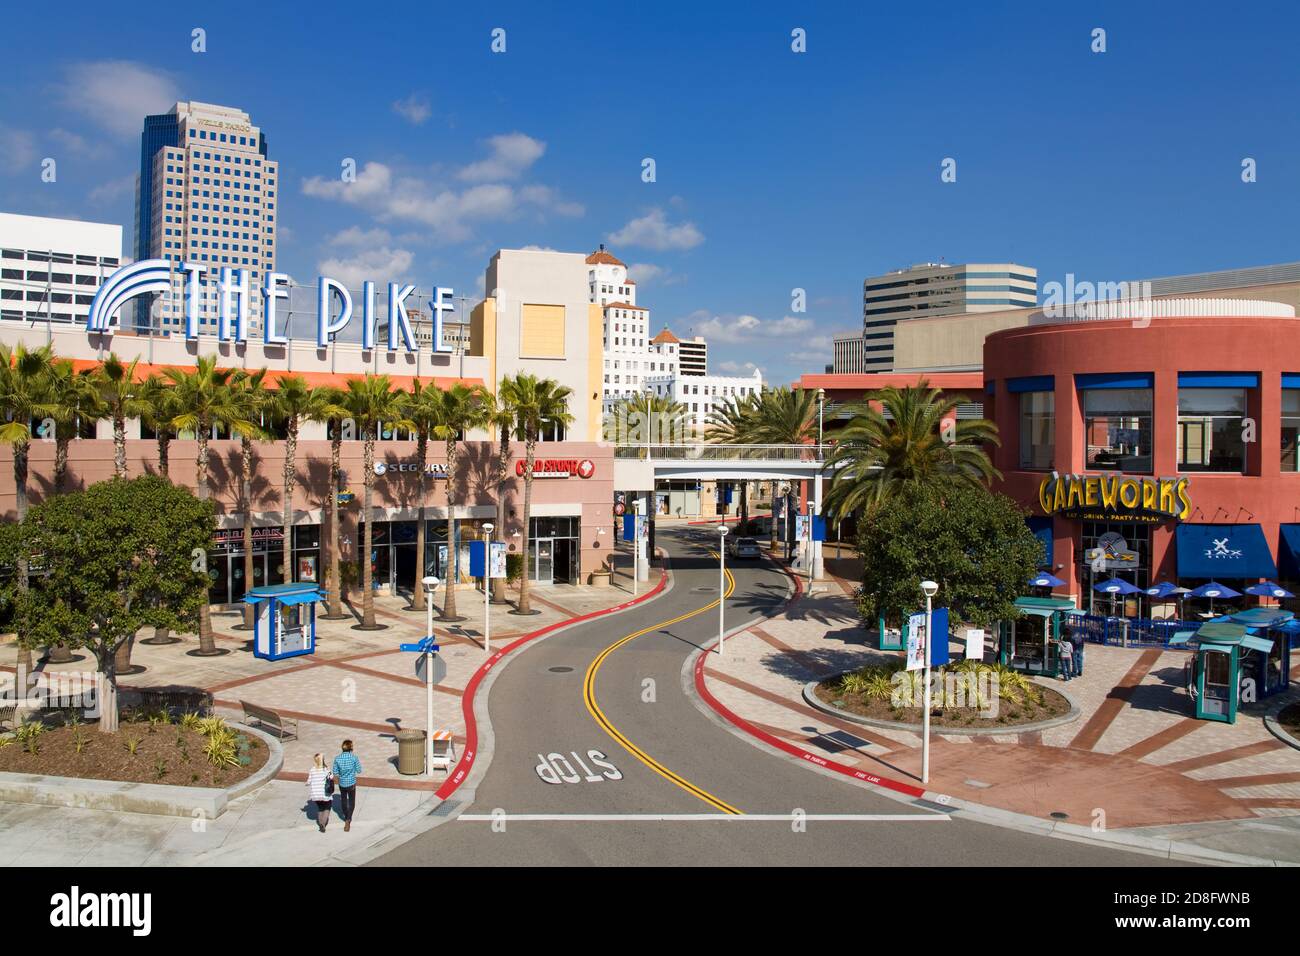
[740, 722]
[466, 762]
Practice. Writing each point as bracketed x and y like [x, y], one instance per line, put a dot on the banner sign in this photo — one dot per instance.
[916, 642]
[558, 467]
[497, 560]
[1115, 496]
[236, 292]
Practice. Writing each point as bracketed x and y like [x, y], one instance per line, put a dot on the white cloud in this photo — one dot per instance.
[113, 190]
[382, 265]
[746, 328]
[17, 148]
[736, 368]
[415, 109]
[511, 155]
[355, 237]
[78, 144]
[118, 94]
[647, 274]
[449, 211]
[654, 231]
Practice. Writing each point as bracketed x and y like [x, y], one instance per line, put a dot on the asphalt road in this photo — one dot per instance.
[552, 757]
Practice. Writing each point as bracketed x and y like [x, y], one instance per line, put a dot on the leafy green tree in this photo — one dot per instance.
[118, 556]
[120, 398]
[24, 396]
[904, 443]
[538, 404]
[459, 409]
[973, 542]
[204, 399]
[372, 403]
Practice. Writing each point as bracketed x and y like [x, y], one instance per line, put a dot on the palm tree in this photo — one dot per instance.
[784, 416]
[538, 403]
[499, 416]
[119, 398]
[247, 421]
[332, 412]
[424, 409]
[646, 418]
[203, 398]
[883, 450]
[159, 408]
[24, 396]
[459, 409]
[732, 424]
[74, 403]
[372, 403]
[294, 402]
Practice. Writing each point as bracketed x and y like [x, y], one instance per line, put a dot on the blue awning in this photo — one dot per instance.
[1041, 526]
[304, 597]
[1288, 551]
[1223, 551]
[1257, 644]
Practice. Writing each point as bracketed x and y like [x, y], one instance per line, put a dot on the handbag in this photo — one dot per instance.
[329, 785]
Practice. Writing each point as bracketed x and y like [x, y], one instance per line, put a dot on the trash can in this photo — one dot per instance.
[410, 751]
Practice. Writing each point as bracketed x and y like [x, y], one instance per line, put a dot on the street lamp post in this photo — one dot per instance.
[930, 588]
[488, 528]
[722, 580]
[430, 585]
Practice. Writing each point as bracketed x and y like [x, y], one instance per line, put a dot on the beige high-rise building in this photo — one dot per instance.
[931, 289]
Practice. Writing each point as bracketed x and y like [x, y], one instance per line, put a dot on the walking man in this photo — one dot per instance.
[1076, 639]
[345, 770]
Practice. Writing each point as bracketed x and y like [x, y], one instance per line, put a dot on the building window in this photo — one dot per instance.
[1037, 429]
[1210, 429]
[1117, 428]
[1291, 429]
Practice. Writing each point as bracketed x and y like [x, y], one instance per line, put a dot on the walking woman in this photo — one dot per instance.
[319, 787]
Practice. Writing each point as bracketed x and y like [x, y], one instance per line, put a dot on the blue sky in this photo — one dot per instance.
[775, 170]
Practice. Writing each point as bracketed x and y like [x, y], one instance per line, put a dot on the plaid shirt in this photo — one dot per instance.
[346, 768]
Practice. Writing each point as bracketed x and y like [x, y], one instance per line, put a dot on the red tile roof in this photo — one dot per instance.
[601, 257]
[664, 338]
[625, 305]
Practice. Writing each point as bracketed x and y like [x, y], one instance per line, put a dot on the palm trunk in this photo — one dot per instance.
[24, 661]
[503, 462]
[207, 644]
[119, 446]
[164, 443]
[290, 466]
[422, 463]
[367, 568]
[246, 491]
[772, 544]
[334, 583]
[744, 507]
[61, 443]
[530, 450]
[452, 569]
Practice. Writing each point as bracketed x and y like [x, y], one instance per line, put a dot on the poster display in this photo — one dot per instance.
[975, 643]
[497, 560]
[916, 642]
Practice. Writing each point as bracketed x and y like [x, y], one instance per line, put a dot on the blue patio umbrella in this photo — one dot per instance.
[1213, 590]
[1161, 590]
[1114, 587]
[1269, 589]
[1045, 580]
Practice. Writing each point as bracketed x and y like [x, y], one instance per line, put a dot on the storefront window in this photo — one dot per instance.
[1037, 429]
[1117, 428]
[1291, 429]
[1210, 429]
[554, 550]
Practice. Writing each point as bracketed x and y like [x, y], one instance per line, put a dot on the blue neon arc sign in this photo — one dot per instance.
[154, 275]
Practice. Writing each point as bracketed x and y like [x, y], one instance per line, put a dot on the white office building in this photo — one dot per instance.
[206, 194]
[847, 355]
[701, 394]
[51, 268]
[933, 289]
[625, 348]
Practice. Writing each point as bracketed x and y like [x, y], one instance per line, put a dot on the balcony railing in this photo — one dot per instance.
[707, 451]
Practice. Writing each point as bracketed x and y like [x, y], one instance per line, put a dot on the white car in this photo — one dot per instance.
[743, 548]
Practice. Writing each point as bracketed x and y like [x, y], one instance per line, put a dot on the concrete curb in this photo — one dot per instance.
[1275, 727]
[810, 697]
[154, 798]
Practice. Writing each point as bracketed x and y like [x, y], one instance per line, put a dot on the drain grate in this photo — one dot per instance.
[1059, 815]
[560, 669]
[704, 589]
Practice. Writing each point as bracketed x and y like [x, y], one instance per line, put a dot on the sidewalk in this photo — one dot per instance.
[357, 685]
[1134, 758]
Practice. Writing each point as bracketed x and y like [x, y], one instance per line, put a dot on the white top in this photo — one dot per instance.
[316, 778]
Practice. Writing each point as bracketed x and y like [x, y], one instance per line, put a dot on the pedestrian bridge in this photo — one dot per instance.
[637, 467]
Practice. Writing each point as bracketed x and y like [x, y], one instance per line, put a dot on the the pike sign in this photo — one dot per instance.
[1114, 495]
[155, 275]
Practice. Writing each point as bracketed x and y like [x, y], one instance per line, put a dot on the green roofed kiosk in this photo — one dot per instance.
[1239, 658]
[1030, 642]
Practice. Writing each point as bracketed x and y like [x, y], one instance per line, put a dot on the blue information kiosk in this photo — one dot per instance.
[285, 621]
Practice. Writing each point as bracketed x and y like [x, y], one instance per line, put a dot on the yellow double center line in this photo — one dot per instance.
[589, 698]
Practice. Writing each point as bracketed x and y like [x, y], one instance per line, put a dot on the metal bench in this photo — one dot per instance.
[284, 726]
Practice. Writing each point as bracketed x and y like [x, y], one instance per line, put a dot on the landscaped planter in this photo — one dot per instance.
[136, 797]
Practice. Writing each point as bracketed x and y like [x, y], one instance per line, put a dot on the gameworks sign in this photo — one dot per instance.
[558, 468]
[1114, 496]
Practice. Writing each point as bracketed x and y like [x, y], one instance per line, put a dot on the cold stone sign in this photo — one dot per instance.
[155, 275]
[1114, 496]
[558, 467]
